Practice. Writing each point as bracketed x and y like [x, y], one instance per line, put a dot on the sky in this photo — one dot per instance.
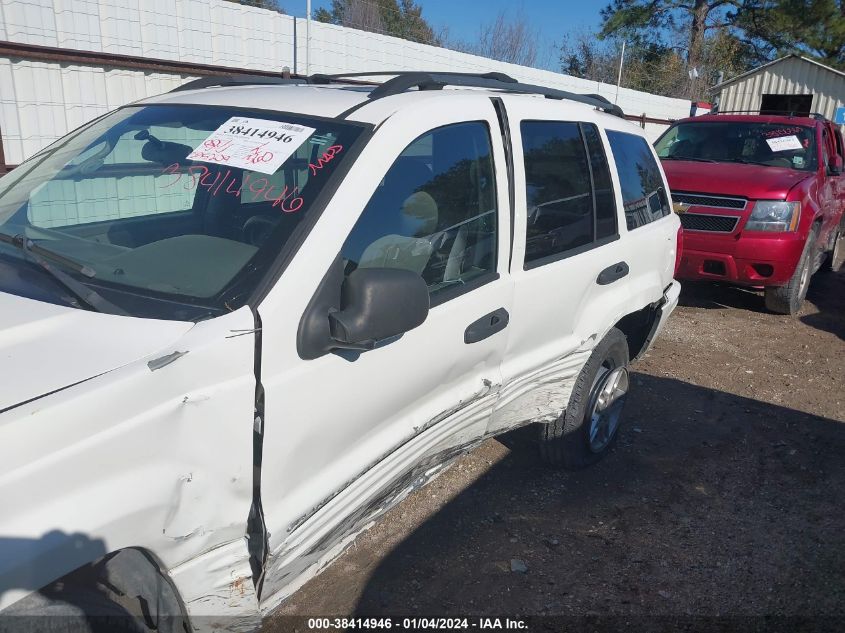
[552, 18]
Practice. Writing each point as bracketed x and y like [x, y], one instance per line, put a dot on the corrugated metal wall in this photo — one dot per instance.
[41, 100]
[792, 75]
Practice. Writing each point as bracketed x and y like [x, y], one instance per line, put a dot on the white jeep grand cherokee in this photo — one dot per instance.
[241, 320]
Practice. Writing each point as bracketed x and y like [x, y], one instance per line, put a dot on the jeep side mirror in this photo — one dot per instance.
[376, 304]
[834, 165]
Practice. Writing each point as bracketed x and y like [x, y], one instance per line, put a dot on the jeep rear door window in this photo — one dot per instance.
[434, 212]
[644, 197]
[768, 144]
[569, 196]
[161, 234]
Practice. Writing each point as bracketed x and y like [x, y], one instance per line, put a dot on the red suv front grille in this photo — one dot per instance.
[705, 222]
[706, 200]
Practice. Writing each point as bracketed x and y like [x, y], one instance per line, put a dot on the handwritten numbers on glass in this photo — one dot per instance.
[232, 184]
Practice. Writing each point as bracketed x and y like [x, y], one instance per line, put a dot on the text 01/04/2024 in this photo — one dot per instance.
[418, 623]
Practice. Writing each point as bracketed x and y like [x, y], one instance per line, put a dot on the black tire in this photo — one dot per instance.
[566, 442]
[788, 299]
[836, 256]
[118, 594]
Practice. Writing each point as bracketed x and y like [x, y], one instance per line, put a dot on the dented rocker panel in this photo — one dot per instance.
[315, 543]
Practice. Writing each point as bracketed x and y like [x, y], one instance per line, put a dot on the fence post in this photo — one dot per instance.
[2, 155]
[295, 66]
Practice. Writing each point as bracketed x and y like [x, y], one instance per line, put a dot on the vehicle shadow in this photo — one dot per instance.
[710, 504]
[714, 295]
[827, 293]
[78, 601]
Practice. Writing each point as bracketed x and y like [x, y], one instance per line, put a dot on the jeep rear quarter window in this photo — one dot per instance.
[644, 197]
[434, 212]
[568, 189]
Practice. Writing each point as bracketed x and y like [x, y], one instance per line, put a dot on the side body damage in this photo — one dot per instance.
[151, 455]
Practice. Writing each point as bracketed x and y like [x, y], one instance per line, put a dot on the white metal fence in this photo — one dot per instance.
[40, 100]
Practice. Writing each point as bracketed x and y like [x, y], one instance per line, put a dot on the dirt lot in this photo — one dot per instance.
[724, 496]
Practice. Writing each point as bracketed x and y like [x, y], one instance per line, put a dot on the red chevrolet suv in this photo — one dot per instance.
[761, 200]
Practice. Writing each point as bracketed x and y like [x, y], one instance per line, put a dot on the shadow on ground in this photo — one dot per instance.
[827, 292]
[712, 295]
[710, 504]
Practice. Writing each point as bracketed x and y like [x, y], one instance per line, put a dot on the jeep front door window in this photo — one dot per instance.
[434, 213]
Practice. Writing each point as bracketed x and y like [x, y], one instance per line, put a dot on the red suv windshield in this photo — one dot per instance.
[755, 143]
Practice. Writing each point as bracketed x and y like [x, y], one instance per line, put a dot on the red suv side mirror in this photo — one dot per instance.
[834, 165]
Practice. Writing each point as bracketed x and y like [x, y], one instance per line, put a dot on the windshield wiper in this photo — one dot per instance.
[745, 161]
[42, 257]
[699, 160]
[25, 244]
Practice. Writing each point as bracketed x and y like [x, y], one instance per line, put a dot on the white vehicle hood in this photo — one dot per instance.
[46, 347]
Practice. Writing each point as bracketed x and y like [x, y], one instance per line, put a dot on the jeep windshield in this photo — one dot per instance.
[755, 143]
[172, 212]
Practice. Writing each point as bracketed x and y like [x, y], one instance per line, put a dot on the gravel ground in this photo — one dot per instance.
[725, 495]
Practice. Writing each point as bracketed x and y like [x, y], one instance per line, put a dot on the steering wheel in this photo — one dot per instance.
[257, 229]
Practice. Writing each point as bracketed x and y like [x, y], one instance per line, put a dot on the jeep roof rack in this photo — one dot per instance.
[222, 81]
[239, 80]
[405, 80]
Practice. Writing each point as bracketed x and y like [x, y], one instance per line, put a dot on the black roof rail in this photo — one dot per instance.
[396, 73]
[403, 81]
[220, 81]
[238, 80]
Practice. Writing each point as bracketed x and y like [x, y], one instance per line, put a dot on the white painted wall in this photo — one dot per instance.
[40, 102]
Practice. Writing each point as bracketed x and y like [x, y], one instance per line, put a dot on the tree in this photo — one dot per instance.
[654, 67]
[809, 27]
[507, 38]
[649, 67]
[583, 56]
[400, 18]
[272, 5]
[639, 20]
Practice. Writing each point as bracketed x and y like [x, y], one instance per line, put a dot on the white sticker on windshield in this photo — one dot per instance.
[784, 143]
[254, 144]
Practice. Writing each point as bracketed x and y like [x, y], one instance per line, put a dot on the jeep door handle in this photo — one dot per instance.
[612, 273]
[486, 326]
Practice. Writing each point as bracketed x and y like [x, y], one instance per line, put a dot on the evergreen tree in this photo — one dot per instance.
[400, 18]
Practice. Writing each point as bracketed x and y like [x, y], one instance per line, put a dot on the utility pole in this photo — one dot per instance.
[619, 77]
[307, 37]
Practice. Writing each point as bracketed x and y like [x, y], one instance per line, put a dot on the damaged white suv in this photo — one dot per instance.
[241, 320]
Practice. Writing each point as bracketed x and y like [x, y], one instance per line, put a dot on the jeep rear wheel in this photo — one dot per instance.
[788, 299]
[587, 429]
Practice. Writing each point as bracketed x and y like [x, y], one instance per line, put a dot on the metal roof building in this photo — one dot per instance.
[789, 84]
